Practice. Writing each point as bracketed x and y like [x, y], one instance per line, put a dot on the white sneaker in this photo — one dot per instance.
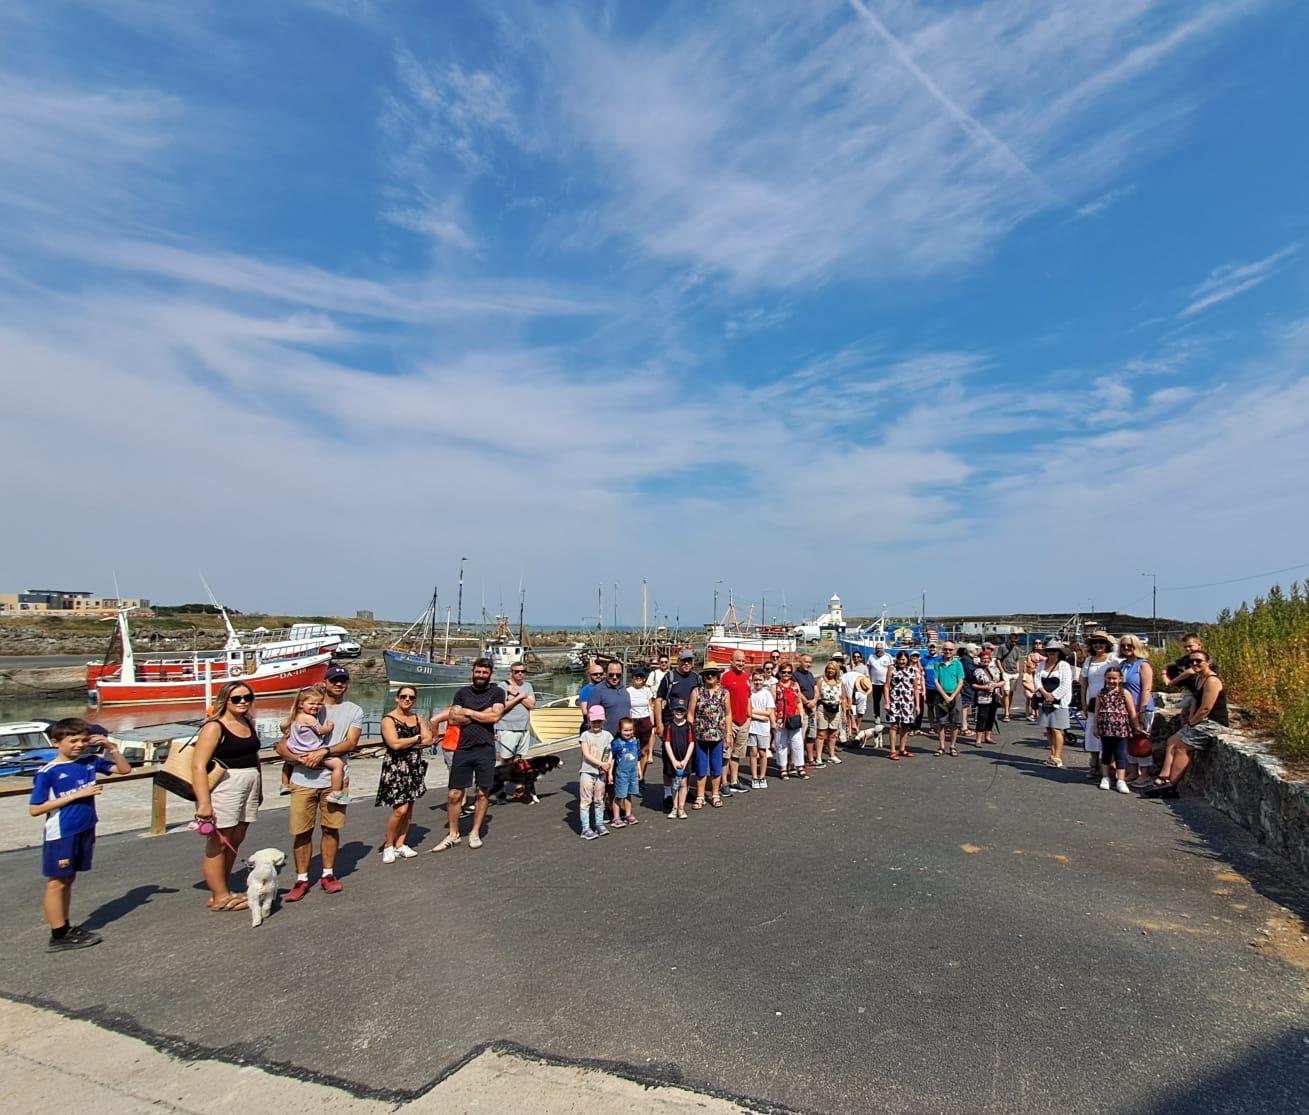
[835, 759]
[388, 855]
[1122, 787]
[405, 852]
[1104, 783]
[474, 841]
[763, 783]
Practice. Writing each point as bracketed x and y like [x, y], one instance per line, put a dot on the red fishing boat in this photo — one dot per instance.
[266, 664]
[755, 640]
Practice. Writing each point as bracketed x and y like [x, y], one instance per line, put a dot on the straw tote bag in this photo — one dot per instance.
[175, 774]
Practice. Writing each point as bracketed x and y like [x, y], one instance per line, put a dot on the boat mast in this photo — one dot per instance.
[645, 626]
[431, 626]
[522, 603]
[446, 653]
[127, 672]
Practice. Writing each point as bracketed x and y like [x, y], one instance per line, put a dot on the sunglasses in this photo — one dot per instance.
[241, 699]
[406, 696]
[1197, 661]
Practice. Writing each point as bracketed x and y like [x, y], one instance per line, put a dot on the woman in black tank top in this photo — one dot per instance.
[1198, 729]
[228, 738]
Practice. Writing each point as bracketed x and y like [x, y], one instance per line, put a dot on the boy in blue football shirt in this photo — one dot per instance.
[64, 793]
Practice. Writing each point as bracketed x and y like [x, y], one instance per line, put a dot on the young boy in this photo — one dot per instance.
[596, 770]
[679, 742]
[763, 719]
[627, 772]
[64, 793]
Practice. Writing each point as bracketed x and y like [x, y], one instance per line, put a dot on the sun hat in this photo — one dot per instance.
[1054, 644]
[863, 684]
[1100, 633]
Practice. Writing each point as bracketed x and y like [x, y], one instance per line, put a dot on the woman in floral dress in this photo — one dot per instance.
[903, 701]
[404, 771]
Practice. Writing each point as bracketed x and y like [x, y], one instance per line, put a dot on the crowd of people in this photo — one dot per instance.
[722, 732]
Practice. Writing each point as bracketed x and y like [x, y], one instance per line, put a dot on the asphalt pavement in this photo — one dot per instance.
[980, 933]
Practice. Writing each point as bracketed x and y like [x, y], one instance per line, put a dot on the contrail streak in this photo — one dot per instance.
[969, 123]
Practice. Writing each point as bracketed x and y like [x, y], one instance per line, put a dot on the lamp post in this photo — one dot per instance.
[459, 619]
[1154, 607]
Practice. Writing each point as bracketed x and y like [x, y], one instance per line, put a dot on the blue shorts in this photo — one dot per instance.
[626, 782]
[708, 759]
[65, 856]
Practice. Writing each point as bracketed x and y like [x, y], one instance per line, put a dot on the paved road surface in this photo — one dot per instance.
[957, 935]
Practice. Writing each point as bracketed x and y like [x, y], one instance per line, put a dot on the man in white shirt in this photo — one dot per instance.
[879, 662]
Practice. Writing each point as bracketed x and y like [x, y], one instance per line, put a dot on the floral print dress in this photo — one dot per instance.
[902, 708]
[404, 773]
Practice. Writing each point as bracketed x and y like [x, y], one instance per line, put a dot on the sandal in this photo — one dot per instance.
[939, 751]
[231, 902]
[895, 755]
[633, 821]
[1054, 762]
[698, 803]
[954, 751]
[786, 775]
[716, 801]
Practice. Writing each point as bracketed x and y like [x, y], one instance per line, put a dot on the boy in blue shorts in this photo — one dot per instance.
[626, 751]
[64, 793]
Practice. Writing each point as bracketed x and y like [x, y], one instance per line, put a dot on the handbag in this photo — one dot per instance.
[174, 775]
[794, 721]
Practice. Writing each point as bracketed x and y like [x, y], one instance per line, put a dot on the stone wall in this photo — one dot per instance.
[1243, 778]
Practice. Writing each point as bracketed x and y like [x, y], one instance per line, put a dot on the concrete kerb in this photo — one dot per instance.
[145, 1069]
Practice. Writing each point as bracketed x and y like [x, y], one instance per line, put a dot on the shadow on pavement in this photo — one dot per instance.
[1268, 1079]
[109, 912]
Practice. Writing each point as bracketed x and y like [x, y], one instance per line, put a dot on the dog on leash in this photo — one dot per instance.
[261, 883]
[523, 773]
[874, 733]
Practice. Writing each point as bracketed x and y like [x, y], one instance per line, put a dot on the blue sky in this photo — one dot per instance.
[1004, 302]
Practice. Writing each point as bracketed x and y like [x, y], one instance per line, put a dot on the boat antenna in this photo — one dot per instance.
[522, 603]
[231, 634]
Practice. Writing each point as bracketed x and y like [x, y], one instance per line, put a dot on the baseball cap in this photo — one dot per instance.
[638, 672]
[338, 673]
[595, 712]
[96, 730]
[686, 656]
[679, 702]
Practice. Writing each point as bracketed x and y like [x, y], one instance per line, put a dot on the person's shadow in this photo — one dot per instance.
[109, 912]
[351, 855]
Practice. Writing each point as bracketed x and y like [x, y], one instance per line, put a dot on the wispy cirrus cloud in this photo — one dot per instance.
[1227, 281]
[781, 146]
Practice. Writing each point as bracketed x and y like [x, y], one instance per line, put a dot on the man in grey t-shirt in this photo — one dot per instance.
[513, 733]
[311, 782]
[1010, 660]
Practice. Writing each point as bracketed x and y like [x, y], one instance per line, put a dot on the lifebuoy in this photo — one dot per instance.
[235, 670]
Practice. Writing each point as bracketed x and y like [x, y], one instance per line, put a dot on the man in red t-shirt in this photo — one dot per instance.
[736, 681]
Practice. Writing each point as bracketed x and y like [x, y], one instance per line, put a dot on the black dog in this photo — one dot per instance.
[523, 773]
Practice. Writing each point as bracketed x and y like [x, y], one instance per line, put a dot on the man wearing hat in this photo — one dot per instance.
[677, 685]
[311, 782]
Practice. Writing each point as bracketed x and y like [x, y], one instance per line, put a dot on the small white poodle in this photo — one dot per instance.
[261, 883]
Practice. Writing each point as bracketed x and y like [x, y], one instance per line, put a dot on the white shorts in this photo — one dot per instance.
[758, 742]
[237, 797]
[1009, 680]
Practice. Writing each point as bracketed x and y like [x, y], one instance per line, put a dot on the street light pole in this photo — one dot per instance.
[1154, 606]
[459, 619]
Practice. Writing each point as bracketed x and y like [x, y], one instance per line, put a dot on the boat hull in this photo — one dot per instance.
[757, 649]
[414, 669]
[280, 677]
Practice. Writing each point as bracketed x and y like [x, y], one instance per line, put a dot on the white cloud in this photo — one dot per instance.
[783, 146]
[1102, 204]
[1226, 282]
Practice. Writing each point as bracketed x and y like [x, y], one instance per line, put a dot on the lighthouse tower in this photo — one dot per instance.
[832, 621]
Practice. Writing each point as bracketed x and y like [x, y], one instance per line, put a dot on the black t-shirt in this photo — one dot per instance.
[473, 734]
[807, 682]
[677, 684]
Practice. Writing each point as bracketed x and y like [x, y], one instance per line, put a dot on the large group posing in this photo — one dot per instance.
[722, 731]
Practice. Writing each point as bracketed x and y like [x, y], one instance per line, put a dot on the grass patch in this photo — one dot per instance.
[1263, 656]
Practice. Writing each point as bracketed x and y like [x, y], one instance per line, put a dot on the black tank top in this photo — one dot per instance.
[236, 752]
[1218, 714]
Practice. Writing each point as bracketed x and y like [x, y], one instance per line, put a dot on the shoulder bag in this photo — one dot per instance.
[174, 775]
